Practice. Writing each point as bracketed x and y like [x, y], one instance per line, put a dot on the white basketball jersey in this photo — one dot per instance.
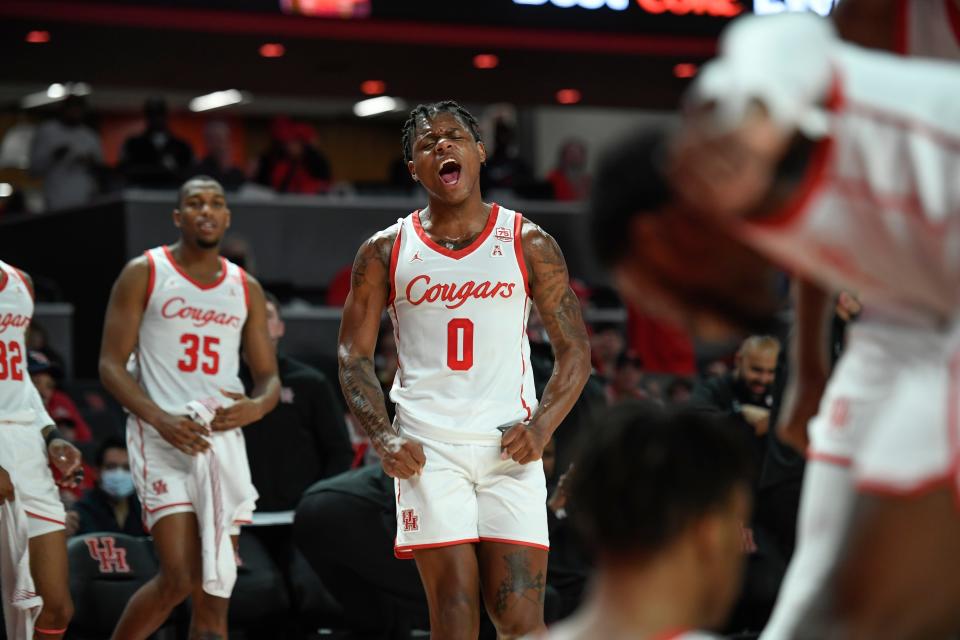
[929, 28]
[879, 209]
[191, 333]
[460, 319]
[20, 401]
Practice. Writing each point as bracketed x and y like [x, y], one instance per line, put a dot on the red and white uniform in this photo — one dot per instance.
[460, 318]
[188, 349]
[928, 29]
[22, 416]
[877, 214]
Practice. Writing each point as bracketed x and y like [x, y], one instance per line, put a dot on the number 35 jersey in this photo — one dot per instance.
[460, 319]
[190, 335]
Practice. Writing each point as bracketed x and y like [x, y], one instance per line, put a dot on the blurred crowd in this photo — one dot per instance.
[67, 163]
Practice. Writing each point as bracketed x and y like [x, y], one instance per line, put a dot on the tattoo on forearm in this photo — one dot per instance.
[519, 583]
[568, 318]
[361, 388]
[205, 635]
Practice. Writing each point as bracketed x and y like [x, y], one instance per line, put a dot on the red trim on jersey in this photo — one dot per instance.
[938, 136]
[199, 285]
[152, 279]
[406, 551]
[243, 522]
[23, 279]
[815, 176]
[456, 254]
[883, 488]
[169, 506]
[6, 279]
[394, 256]
[953, 421]
[901, 34]
[954, 14]
[520, 543]
[143, 456]
[37, 516]
[812, 182]
[396, 338]
[523, 361]
[246, 290]
[829, 458]
[671, 634]
[50, 632]
[517, 245]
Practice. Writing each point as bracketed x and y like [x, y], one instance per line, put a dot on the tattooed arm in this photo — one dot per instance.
[359, 328]
[560, 310]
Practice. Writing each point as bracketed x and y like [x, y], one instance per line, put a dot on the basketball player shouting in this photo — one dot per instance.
[457, 279]
[184, 312]
[28, 441]
[820, 163]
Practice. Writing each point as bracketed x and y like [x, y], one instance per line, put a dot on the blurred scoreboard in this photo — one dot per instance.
[653, 17]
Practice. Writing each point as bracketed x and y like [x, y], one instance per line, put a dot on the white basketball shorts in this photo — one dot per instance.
[161, 471]
[24, 455]
[467, 494]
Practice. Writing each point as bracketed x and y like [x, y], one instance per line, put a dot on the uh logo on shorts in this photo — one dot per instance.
[410, 520]
[104, 550]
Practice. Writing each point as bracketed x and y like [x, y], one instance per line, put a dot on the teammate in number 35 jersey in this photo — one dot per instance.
[458, 279]
[183, 313]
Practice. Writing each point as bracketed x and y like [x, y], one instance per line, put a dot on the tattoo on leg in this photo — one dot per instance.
[519, 582]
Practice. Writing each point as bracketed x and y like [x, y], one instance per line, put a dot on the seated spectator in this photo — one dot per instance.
[679, 391]
[659, 496]
[156, 158]
[569, 179]
[568, 566]
[625, 383]
[747, 397]
[301, 441]
[67, 155]
[37, 340]
[112, 505]
[218, 162]
[607, 342]
[60, 406]
[237, 250]
[293, 163]
[746, 393]
[505, 168]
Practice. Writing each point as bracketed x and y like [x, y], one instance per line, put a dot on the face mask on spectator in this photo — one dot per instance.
[118, 483]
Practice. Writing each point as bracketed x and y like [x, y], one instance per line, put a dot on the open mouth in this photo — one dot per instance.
[450, 171]
[208, 227]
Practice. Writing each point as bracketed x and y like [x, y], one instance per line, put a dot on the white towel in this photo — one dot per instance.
[21, 604]
[217, 502]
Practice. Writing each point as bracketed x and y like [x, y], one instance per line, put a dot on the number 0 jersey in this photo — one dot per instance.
[460, 319]
[190, 335]
[20, 402]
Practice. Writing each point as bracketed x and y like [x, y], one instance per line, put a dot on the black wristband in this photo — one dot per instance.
[52, 435]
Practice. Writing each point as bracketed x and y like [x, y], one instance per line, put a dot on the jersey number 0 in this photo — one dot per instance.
[460, 344]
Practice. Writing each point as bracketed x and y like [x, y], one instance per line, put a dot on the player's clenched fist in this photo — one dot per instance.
[6, 486]
[401, 458]
[523, 444]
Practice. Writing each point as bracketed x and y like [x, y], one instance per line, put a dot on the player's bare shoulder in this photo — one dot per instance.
[133, 283]
[541, 253]
[372, 264]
